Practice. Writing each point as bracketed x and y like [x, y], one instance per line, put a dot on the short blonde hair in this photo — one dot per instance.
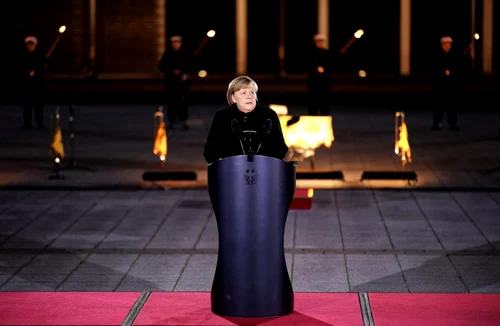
[239, 83]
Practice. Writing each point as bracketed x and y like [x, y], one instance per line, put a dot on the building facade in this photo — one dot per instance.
[126, 38]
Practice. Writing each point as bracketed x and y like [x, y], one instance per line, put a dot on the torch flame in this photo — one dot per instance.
[62, 29]
[211, 33]
[359, 33]
[309, 133]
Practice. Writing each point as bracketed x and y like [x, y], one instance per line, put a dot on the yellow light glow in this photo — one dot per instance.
[211, 33]
[310, 193]
[321, 69]
[310, 132]
[476, 36]
[279, 109]
[57, 160]
[56, 144]
[362, 73]
[202, 73]
[160, 144]
[402, 147]
[62, 29]
[359, 33]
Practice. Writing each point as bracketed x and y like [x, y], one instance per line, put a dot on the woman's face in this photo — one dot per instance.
[245, 99]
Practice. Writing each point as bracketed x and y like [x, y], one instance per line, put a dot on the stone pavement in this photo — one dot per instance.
[110, 231]
[360, 240]
[116, 141]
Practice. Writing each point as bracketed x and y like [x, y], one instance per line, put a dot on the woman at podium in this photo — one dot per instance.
[245, 127]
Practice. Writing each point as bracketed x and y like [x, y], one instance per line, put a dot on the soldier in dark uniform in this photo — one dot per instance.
[447, 67]
[319, 75]
[32, 70]
[174, 66]
[229, 134]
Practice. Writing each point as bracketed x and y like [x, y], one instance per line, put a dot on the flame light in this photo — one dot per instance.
[309, 133]
[359, 33]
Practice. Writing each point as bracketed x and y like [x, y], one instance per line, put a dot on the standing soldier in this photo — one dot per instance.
[445, 85]
[319, 73]
[173, 65]
[32, 70]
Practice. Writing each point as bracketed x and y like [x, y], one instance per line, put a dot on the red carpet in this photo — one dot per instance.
[412, 309]
[65, 308]
[193, 308]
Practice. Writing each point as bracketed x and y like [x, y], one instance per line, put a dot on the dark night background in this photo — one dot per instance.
[126, 35]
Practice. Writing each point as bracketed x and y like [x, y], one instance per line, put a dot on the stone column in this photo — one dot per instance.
[487, 36]
[92, 33]
[160, 27]
[404, 37]
[323, 19]
[241, 37]
[281, 49]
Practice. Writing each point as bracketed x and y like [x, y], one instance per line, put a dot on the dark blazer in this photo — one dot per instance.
[225, 134]
[452, 62]
[32, 66]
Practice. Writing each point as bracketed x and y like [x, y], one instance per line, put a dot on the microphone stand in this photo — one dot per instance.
[250, 149]
[267, 129]
[235, 126]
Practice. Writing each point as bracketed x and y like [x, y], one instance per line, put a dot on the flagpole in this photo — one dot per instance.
[56, 146]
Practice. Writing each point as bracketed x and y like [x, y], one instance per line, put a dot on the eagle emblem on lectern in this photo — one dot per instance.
[250, 176]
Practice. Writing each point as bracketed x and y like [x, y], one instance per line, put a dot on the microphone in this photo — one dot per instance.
[235, 126]
[267, 127]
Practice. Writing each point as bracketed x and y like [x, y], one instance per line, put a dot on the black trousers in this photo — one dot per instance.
[177, 101]
[33, 101]
[444, 101]
[318, 97]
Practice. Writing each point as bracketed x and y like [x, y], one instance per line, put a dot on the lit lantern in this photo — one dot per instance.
[304, 134]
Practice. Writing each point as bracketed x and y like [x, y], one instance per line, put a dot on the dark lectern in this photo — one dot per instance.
[251, 198]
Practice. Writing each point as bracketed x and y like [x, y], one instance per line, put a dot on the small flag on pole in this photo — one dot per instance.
[402, 145]
[56, 145]
[160, 144]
